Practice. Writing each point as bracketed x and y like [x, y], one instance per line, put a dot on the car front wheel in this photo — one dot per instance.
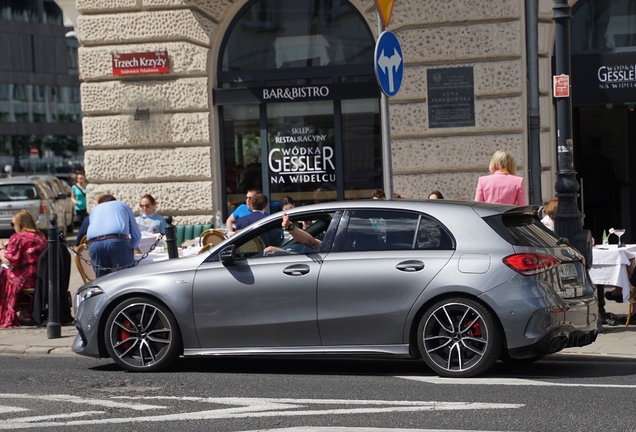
[142, 335]
[459, 337]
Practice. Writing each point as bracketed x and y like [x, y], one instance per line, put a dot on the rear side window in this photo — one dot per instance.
[18, 192]
[522, 230]
[370, 230]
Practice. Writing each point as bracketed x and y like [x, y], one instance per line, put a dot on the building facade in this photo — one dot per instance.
[280, 95]
[40, 115]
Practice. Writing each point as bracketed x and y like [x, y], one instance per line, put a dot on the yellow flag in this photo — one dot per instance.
[385, 8]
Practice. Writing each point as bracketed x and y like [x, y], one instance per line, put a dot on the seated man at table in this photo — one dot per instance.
[259, 204]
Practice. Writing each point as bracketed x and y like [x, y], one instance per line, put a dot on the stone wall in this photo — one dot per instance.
[170, 156]
[173, 156]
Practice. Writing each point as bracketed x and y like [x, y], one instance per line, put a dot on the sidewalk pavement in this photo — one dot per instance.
[614, 341]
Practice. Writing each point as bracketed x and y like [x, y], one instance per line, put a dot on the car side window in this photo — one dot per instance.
[370, 230]
[273, 240]
[253, 245]
[432, 235]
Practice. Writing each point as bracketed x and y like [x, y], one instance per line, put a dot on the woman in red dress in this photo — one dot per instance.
[20, 262]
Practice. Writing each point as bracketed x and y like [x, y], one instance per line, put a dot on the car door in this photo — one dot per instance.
[381, 262]
[259, 300]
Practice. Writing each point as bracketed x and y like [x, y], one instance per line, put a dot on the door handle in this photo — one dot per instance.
[296, 270]
[410, 266]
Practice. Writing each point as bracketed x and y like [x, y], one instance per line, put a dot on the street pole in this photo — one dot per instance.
[568, 220]
[534, 117]
[385, 120]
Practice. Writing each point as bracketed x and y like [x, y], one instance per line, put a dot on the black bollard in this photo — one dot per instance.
[171, 238]
[53, 326]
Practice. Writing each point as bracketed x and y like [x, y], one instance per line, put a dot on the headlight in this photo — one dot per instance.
[86, 293]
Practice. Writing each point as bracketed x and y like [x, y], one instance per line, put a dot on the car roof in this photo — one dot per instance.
[21, 179]
[481, 208]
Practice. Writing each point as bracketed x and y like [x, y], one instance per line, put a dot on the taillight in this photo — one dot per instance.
[528, 264]
[42, 207]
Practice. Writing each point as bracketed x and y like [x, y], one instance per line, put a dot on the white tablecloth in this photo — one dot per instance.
[147, 240]
[609, 266]
[161, 255]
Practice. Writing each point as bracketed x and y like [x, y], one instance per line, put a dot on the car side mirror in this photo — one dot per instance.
[61, 196]
[227, 255]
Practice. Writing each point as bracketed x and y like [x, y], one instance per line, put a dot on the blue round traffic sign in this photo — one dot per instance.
[389, 63]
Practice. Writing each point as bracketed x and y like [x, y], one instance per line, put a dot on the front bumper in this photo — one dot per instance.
[87, 341]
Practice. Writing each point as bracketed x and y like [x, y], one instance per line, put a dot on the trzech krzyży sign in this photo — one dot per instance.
[155, 62]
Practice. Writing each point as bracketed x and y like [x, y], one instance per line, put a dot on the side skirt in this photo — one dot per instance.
[392, 350]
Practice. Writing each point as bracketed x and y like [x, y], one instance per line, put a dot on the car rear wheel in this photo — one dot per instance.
[142, 335]
[458, 337]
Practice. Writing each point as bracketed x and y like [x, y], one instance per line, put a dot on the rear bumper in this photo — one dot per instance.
[549, 332]
[555, 341]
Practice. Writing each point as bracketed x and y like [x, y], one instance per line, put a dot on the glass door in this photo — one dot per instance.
[241, 152]
[301, 152]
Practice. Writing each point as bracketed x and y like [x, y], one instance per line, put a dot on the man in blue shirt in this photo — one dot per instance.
[258, 204]
[112, 235]
[242, 210]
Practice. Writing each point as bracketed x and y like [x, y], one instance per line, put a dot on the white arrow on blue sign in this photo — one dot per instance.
[389, 64]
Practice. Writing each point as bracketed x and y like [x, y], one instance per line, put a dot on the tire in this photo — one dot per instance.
[142, 335]
[458, 337]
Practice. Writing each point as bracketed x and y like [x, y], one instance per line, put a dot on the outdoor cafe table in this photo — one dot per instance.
[161, 255]
[612, 266]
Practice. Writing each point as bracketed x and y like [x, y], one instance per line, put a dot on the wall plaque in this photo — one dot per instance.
[451, 97]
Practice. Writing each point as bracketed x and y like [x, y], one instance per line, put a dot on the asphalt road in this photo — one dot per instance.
[564, 393]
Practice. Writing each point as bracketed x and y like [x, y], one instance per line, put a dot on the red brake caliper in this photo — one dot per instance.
[475, 331]
[123, 334]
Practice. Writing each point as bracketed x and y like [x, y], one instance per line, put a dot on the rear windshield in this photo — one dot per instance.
[18, 192]
[522, 230]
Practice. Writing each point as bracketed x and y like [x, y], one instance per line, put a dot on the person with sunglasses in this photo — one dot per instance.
[148, 220]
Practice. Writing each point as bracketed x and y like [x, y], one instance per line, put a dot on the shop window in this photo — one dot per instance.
[603, 25]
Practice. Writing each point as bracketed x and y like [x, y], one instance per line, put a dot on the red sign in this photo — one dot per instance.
[155, 62]
[561, 87]
[34, 151]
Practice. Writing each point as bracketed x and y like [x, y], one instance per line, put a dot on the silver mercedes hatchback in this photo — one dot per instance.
[458, 285]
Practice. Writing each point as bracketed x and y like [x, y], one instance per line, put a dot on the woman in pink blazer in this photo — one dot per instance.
[502, 186]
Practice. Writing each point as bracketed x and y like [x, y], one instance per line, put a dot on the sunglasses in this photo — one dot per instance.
[12, 225]
[145, 205]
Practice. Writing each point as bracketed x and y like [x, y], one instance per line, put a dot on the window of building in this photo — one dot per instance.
[277, 34]
[603, 25]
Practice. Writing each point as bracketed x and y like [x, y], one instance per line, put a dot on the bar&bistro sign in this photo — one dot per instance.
[155, 62]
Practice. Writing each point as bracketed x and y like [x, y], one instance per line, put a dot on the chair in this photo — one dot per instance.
[254, 246]
[212, 237]
[84, 240]
[83, 262]
[25, 298]
[205, 248]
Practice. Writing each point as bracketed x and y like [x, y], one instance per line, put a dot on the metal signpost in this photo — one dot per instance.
[389, 71]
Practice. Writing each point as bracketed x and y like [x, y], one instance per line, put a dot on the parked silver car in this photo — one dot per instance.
[32, 194]
[457, 284]
[62, 201]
